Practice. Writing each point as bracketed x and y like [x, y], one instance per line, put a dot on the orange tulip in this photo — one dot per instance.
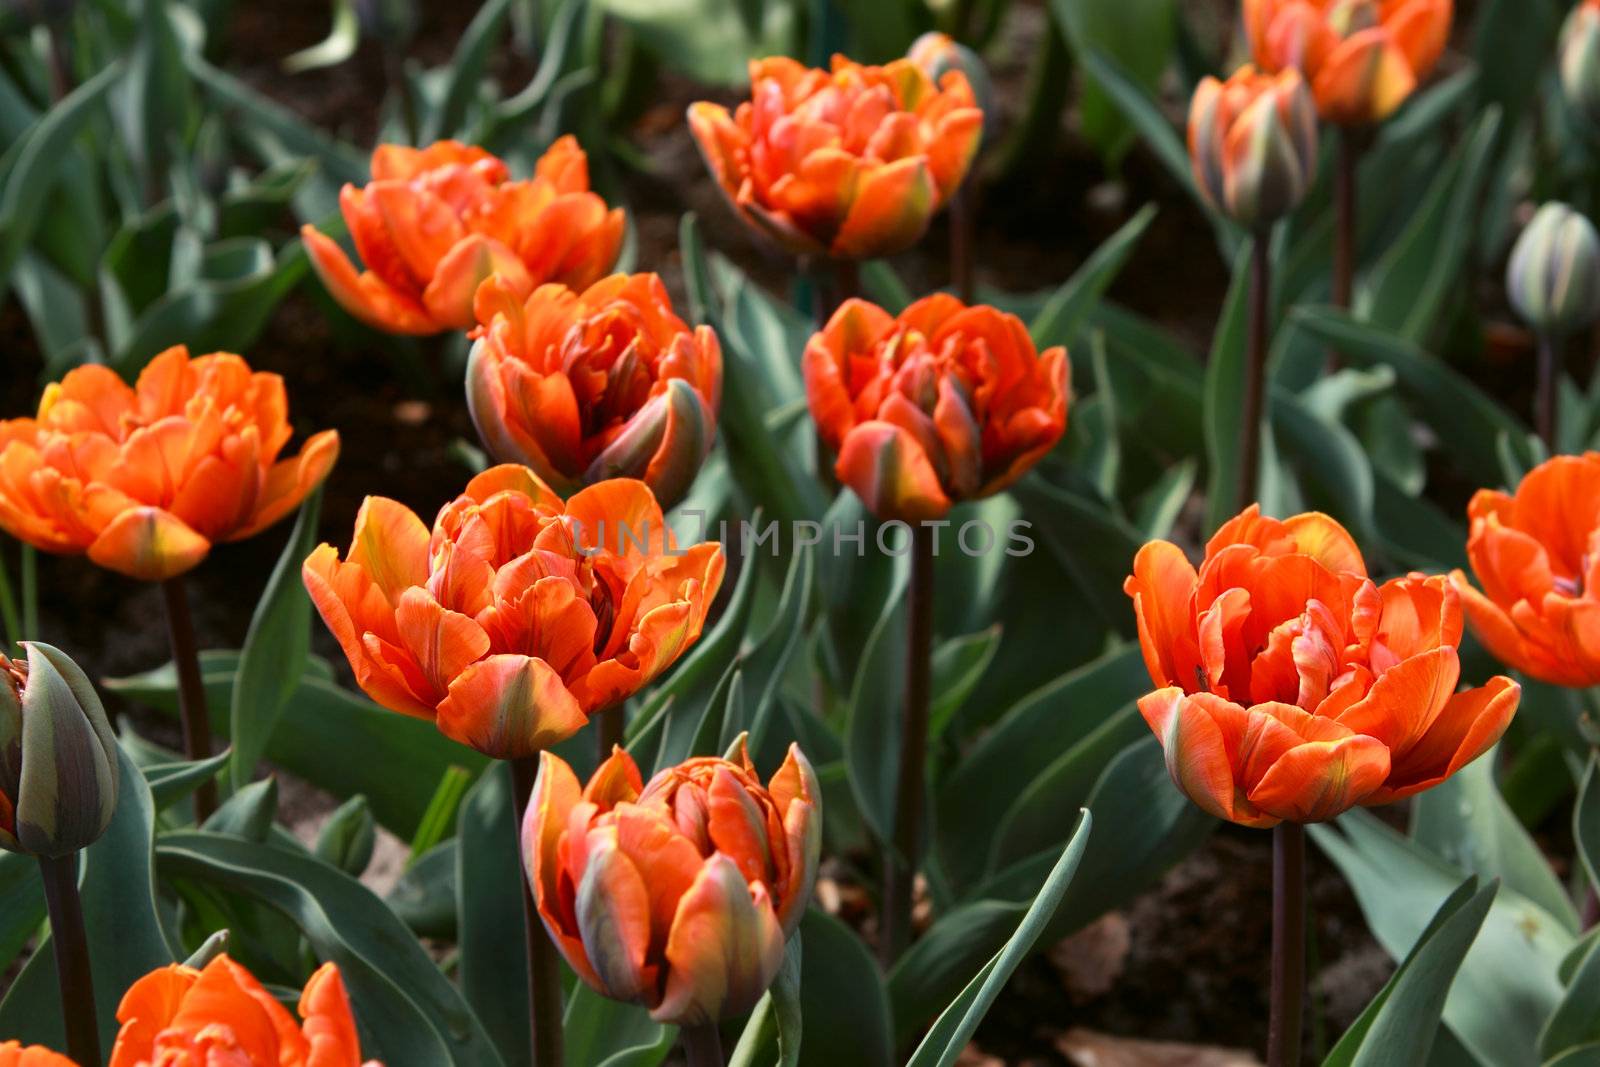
[678, 894]
[1291, 687]
[13, 1054]
[519, 616]
[942, 404]
[1535, 554]
[850, 163]
[146, 479]
[177, 1016]
[600, 384]
[1253, 143]
[1362, 57]
[435, 222]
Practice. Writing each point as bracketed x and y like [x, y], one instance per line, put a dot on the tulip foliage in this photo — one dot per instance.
[760, 550]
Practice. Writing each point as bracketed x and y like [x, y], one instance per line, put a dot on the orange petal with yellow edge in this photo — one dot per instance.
[509, 707]
[891, 211]
[150, 544]
[891, 473]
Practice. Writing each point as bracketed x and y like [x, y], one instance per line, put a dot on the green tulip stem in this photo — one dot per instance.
[544, 969]
[900, 858]
[1288, 944]
[1549, 375]
[191, 691]
[1255, 372]
[702, 1046]
[60, 876]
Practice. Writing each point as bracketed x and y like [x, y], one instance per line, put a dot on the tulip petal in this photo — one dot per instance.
[328, 1025]
[890, 212]
[1405, 700]
[290, 481]
[509, 707]
[1196, 752]
[724, 949]
[150, 544]
[449, 294]
[1364, 79]
[613, 910]
[1471, 723]
[146, 1009]
[1163, 590]
[365, 295]
[891, 473]
[1321, 779]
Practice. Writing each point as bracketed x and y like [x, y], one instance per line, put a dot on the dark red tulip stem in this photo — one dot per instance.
[900, 858]
[191, 691]
[1255, 373]
[1288, 944]
[71, 943]
[702, 1046]
[544, 970]
[1344, 223]
[963, 231]
[610, 730]
[1549, 379]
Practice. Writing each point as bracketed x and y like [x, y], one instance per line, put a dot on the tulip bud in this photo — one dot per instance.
[1253, 142]
[1553, 279]
[1580, 61]
[939, 53]
[58, 756]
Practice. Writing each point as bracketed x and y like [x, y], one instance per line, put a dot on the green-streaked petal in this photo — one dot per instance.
[68, 789]
[724, 950]
[613, 909]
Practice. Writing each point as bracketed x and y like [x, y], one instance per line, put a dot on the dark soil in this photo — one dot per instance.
[1190, 957]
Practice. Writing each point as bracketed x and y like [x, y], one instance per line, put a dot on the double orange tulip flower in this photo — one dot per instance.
[850, 162]
[677, 894]
[1361, 57]
[1537, 554]
[179, 1016]
[435, 222]
[145, 479]
[519, 615]
[1291, 686]
[603, 383]
[939, 404]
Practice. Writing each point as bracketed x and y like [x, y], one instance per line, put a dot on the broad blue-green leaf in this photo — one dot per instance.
[275, 649]
[1223, 409]
[954, 1028]
[872, 734]
[1397, 1029]
[1138, 35]
[1067, 310]
[413, 1014]
[844, 1010]
[609, 1033]
[772, 1036]
[491, 928]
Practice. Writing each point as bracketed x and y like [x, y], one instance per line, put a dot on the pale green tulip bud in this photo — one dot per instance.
[1553, 280]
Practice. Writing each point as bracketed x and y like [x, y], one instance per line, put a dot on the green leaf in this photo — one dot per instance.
[173, 781]
[425, 896]
[492, 930]
[1124, 89]
[1507, 986]
[1136, 34]
[21, 904]
[321, 727]
[249, 813]
[1022, 745]
[772, 1036]
[439, 820]
[39, 156]
[954, 1028]
[275, 649]
[464, 77]
[1468, 824]
[338, 46]
[941, 962]
[1095, 545]
[118, 889]
[844, 1010]
[958, 667]
[609, 1033]
[414, 1016]
[347, 839]
[1223, 409]
[872, 733]
[706, 39]
[1575, 1022]
[1069, 307]
[1586, 822]
[1397, 1029]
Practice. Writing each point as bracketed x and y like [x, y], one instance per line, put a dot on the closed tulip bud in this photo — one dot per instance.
[58, 756]
[1553, 279]
[939, 53]
[677, 894]
[1253, 143]
[1580, 61]
[604, 383]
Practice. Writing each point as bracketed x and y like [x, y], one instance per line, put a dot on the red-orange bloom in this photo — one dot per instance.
[606, 383]
[435, 222]
[850, 163]
[145, 479]
[677, 894]
[13, 1054]
[519, 616]
[1537, 555]
[1291, 686]
[180, 1017]
[1362, 57]
[942, 404]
